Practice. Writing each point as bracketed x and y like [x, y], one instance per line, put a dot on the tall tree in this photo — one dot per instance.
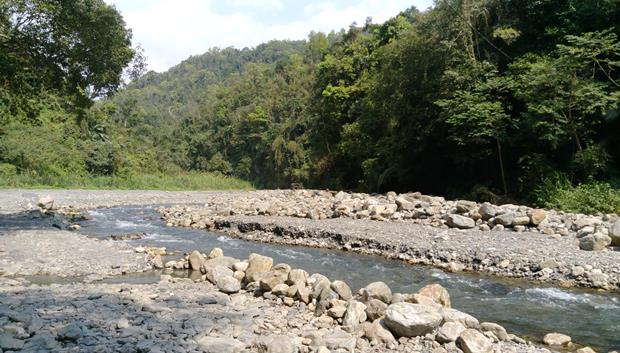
[75, 48]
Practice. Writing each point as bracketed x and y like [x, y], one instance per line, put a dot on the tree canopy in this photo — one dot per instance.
[471, 97]
[73, 48]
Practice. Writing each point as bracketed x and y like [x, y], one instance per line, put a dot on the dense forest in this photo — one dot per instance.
[485, 99]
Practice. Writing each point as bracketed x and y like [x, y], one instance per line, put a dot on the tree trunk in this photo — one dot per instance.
[501, 166]
[571, 102]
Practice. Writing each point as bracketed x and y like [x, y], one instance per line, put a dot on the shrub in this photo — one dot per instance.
[589, 198]
[7, 170]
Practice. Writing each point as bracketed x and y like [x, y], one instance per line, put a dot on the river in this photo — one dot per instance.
[590, 318]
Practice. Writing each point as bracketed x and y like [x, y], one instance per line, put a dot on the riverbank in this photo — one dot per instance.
[507, 240]
[65, 254]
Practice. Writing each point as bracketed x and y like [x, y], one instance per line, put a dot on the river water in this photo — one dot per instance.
[590, 318]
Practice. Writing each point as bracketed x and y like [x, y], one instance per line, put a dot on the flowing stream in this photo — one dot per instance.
[590, 318]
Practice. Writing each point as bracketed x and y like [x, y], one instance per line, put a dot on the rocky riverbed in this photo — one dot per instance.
[245, 305]
[65, 254]
[507, 240]
[214, 311]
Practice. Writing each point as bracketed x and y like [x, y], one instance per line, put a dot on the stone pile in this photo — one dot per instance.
[375, 316]
[594, 232]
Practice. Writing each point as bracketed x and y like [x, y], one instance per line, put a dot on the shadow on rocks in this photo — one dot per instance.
[121, 318]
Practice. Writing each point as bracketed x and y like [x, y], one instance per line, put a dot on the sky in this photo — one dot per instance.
[172, 30]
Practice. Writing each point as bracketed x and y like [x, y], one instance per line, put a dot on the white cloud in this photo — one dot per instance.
[270, 4]
[172, 30]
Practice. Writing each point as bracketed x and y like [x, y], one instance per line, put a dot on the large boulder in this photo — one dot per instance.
[449, 332]
[45, 202]
[297, 276]
[195, 260]
[461, 222]
[256, 264]
[614, 233]
[225, 261]
[410, 320]
[585, 350]
[472, 341]
[375, 309]
[404, 204]
[378, 333]
[453, 315]
[437, 293]
[216, 272]
[276, 344]
[537, 216]
[215, 252]
[557, 340]
[583, 222]
[339, 339]
[521, 221]
[282, 290]
[594, 242]
[356, 314]
[228, 284]
[487, 211]
[463, 206]
[497, 330]
[416, 298]
[505, 219]
[269, 280]
[303, 294]
[377, 290]
[343, 289]
[319, 284]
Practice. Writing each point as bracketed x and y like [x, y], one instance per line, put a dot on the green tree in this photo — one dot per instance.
[479, 115]
[74, 48]
[563, 97]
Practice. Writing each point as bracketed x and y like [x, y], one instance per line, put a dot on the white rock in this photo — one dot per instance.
[378, 333]
[377, 290]
[356, 314]
[256, 264]
[342, 289]
[472, 341]
[556, 340]
[228, 284]
[409, 320]
[46, 202]
[461, 222]
[449, 332]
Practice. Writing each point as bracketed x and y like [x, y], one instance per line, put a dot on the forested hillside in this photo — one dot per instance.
[484, 99]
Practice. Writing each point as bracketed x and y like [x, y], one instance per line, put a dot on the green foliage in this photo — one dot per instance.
[589, 198]
[7, 170]
[183, 181]
[78, 49]
[485, 95]
[591, 162]
[478, 114]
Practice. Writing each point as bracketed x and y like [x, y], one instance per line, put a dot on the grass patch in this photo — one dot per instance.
[589, 198]
[183, 181]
